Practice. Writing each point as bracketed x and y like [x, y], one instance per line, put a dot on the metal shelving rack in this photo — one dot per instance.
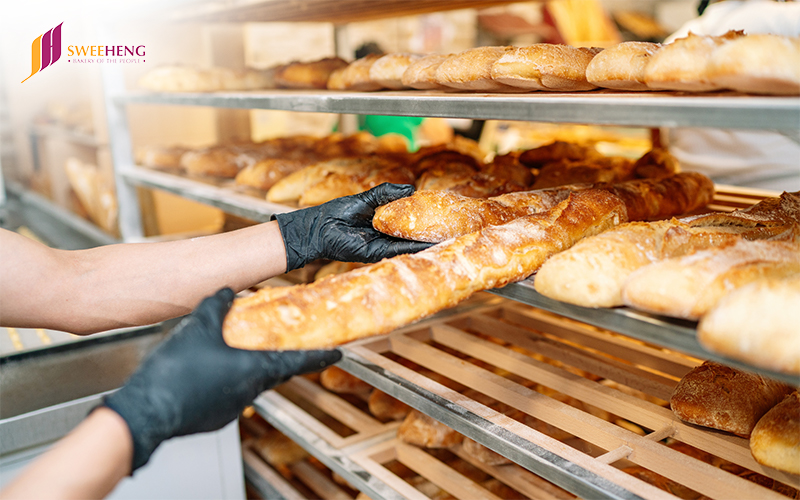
[719, 110]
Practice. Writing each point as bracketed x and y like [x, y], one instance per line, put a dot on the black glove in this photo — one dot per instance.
[341, 229]
[194, 382]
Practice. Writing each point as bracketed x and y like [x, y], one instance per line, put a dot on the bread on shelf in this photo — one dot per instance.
[356, 75]
[388, 70]
[472, 70]
[757, 64]
[545, 66]
[265, 173]
[621, 67]
[339, 381]
[421, 430]
[308, 75]
[385, 407]
[421, 74]
[161, 157]
[775, 440]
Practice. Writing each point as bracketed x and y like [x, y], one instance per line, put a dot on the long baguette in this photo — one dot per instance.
[437, 216]
[382, 297]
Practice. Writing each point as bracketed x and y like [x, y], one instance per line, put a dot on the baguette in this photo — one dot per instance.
[775, 441]
[769, 339]
[219, 161]
[161, 157]
[421, 74]
[388, 70]
[545, 66]
[437, 216]
[308, 75]
[339, 381]
[472, 70]
[293, 186]
[356, 75]
[385, 407]
[338, 184]
[687, 287]
[265, 173]
[421, 430]
[394, 292]
[483, 454]
[557, 151]
[720, 397]
[758, 64]
[621, 67]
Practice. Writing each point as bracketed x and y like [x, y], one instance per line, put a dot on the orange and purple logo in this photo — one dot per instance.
[45, 50]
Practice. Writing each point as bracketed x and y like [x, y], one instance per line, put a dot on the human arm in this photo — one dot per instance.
[193, 382]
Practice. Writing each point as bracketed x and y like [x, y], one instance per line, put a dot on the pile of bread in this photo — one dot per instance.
[759, 64]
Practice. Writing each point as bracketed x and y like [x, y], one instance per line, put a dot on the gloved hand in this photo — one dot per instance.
[341, 229]
[194, 382]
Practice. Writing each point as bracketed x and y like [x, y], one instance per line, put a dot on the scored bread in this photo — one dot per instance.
[379, 298]
[308, 75]
[265, 173]
[775, 441]
[388, 70]
[621, 67]
[421, 74]
[472, 70]
[687, 287]
[769, 339]
[720, 397]
[545, 66]
[421, 430]
[758, 64]
[356, 75]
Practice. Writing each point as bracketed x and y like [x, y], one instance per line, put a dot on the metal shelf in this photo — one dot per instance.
[601, 107]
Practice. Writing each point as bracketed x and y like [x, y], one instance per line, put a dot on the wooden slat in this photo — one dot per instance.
[333, 405]
[696, 475]
[306, 420]
[371, 460]
[318, 482]
[281, 485]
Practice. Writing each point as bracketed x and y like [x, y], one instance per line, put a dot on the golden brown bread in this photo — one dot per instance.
[545, 66]
[720, 397]
[472, 70]
[758, 64]
[219, 161]
[769, 338]
[385, 407]
[421, 74]
[556, 151]
[483, 454]
[775, 441]
[435, 216]
[337, 380]
[265, 173]
[388, 70]
[687, 287]
[294, 185]
[161, 157]
[308, 75]
[338, 184]
[277, 449]
[356, 75]
[601, 169]
[336, 80]
[421, 430]
[382, 297]
[621, 67]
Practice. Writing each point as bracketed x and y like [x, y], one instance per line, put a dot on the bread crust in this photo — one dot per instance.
[545, 66]
[775, 441]
[421, 74]
[385, 407]
[356, 75]
[388, 70]
[757, 64]
[161, 157]
[421, 430]
[265, 173]
[308, 75]
[720, 397]
[472, 70]
[382, 297]
[337, 380]
[621, 67]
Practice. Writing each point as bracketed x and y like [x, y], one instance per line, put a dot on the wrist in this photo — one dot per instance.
[297, 234]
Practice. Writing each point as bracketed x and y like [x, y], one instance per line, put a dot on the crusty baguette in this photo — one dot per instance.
[293, 186]
[338, 184]
[687, 287]
[161, 157]
[471, 70]
[421, 430]
[356, 75]
[388, 70]
[775, 441]
[720, 397]
[421, 74]
[758, 64]
[219, 161]
[337, 380]
[545, 66]
[437, 216]
[385, 407]
[621, 67]
[308, 75]
[394, 292]
[757, 324]
[603, 169]
[265, 173]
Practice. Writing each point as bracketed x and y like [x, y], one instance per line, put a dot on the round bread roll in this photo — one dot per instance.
[757, 64]
[681, 65]
[421, 74]
[472, 70]
[775, 441]
[545, 66]
[388, 70]
[621, 67]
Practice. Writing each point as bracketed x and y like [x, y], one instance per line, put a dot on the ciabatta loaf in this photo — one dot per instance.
[388, 70]
[757, 64]
[775, 441]
[382, 297]
[545, 66]
[421, 74]
[621, 67]
[687, 287]
[720, 397]
[471, 70]
[758, 324]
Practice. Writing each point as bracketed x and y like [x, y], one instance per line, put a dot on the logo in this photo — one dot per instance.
[45, 50]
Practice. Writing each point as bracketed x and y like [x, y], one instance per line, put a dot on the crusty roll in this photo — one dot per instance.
[265, 173]
[388, 70]
[545, 66]
[337, 380]
[394, 292]
[758, 64]
[356, 75]
[720, 397]
[687, 287]
[385, 407]
[621, 67]
[308, 75]
[161, 157]
[338, 184]
[601, 169]
[556, 151]
[421, 430]
[775, 441]
[421, 74]
[472, 70]
[681, 65]
[482, 453]
[770, 337]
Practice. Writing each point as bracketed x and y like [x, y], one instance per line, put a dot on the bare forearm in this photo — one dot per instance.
[87, 463]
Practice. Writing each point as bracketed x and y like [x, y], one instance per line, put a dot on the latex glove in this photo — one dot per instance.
[341, 229]
[194, 382]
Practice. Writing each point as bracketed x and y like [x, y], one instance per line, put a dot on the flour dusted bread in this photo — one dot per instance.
[621, 67]
[421, 74]
[356, 75]
[757, 324]
[388, 70]
[161, 157]
[421, 430]
[308, 75]
[720, 397]
[775, 441]
[394, 292]
[757, 64]
[687, 287]
[681, 65]
[545, 66]
[472, 70]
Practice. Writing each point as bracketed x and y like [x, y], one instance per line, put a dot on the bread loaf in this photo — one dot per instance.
[356, 75]
[421, 430]
[308, 75]
[720, 397]
[265, 173]
[388, 70]
[338, 184]
[421, 74]
[278, 450]
[621, 67]
[336, 80]
[382, 297]
[775, 441]
[545, 66]
[555, 152]
[757, 324]
[758, 64]
[219, 161]
[437, 216]
[687, 287]
[472, 70]
[161, 157]
[292, 187]
[337, 380]
[602, 169]
[385, 407]
[482, 453]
